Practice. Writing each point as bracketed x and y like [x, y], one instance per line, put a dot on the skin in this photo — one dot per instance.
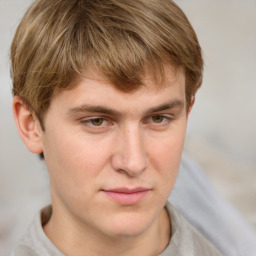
[97, 139]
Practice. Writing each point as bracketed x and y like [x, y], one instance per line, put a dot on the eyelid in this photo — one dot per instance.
[167, 119]
[86, 122]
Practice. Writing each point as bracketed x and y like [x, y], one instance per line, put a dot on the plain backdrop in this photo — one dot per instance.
[222, 130]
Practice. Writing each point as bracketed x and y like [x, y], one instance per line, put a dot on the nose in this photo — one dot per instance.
[130, 155]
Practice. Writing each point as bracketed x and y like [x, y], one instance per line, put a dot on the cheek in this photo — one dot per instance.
[75, 159]
[165, 157]
[167, 150]
[75, 166]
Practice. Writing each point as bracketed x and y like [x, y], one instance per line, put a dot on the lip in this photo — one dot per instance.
[127, 196]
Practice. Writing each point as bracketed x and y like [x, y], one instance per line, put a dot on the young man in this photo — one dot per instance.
[102, 91]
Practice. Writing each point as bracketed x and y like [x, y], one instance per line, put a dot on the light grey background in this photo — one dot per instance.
[221, 133]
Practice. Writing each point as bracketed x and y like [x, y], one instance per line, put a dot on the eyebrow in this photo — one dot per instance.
[113, 112]
[173, 104]
[94, 109]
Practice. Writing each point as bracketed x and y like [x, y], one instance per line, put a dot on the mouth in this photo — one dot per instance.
[127, 196]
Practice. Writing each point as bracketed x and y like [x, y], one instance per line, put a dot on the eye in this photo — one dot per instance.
[97, 121]
[158, 119]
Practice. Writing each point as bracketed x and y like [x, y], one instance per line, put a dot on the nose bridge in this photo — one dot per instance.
[131, 155]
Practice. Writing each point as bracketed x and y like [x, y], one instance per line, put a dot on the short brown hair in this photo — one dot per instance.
[58, 40]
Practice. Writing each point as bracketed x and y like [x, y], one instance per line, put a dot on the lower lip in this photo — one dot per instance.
[127, 198]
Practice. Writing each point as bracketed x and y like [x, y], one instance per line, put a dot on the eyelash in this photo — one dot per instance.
[164, 122]
[88, 122]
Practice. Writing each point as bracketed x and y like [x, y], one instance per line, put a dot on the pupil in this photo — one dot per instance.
[97, 121]
[157, 119]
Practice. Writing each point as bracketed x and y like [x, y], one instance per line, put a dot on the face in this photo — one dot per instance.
[113, 156]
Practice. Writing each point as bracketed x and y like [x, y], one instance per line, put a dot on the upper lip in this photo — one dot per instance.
[127, 190]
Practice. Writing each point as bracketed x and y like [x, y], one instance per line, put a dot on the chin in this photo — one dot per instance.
[128, 232]
[131, 225]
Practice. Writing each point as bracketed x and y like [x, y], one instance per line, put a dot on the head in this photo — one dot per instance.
[57, 42]
[103, 89]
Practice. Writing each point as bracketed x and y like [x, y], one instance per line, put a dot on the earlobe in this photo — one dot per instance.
[28, 126]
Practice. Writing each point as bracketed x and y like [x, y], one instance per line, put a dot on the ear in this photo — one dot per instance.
[28, 125]
[192, 101]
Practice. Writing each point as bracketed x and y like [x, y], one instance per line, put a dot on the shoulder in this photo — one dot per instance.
[24, 250]
[35, 242]
[186, 240]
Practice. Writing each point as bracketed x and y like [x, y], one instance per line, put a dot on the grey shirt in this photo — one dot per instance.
[185, 239]
[196, 199]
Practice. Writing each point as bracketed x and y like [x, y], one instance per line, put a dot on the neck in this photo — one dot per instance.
[81, 240]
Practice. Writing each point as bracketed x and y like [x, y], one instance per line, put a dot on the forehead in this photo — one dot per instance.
[94, 89]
